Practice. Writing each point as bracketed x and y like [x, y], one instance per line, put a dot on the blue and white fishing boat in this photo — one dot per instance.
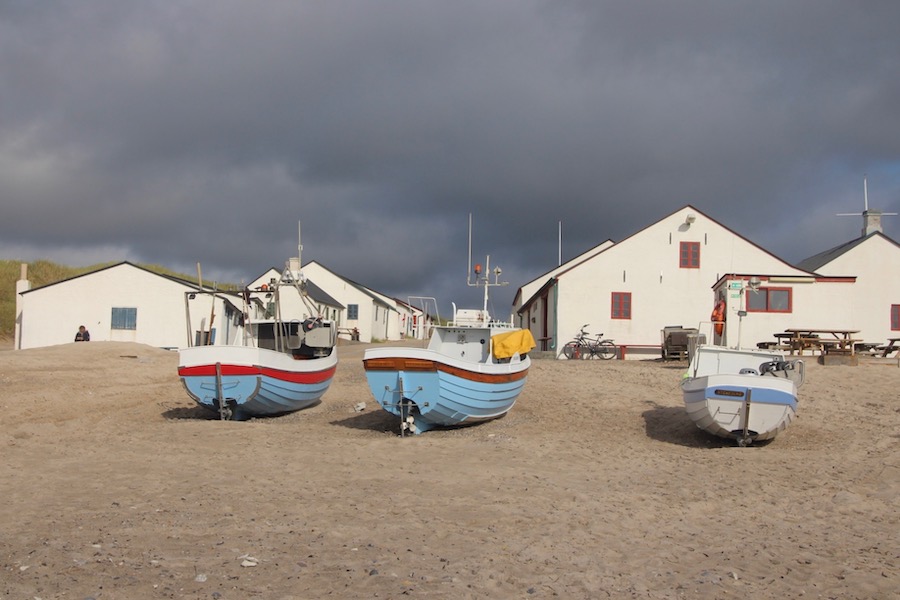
[472, 370]
[280, 364]
[741, 394]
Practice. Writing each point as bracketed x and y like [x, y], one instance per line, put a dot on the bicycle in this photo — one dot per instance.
[586, 347]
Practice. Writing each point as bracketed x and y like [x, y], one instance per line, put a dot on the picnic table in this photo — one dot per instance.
[836, 341]
[892, 345]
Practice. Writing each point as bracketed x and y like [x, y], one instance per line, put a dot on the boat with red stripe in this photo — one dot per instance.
[268, 362]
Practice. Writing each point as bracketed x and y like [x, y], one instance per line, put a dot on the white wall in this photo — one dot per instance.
[346, 293]
[876, 264]
[51, 315]
[389, 321]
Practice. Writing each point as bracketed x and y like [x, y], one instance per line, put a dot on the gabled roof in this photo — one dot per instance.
[726, 228]
[585, 257]
[174, 279]
[816, 262]
[565, 266]
[320, 295]
[551, 281]
[370, 293]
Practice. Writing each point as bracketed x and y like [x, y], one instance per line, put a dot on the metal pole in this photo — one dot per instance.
[223, 409]
[469, 272]
[745, 438]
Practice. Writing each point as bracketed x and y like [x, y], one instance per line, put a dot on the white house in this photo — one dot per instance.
[369, 314]
[122, 302]
[415, 321]
[663, 275]
[873, 260]
[539, 290]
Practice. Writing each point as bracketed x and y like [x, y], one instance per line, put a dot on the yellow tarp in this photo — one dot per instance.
[507, 344]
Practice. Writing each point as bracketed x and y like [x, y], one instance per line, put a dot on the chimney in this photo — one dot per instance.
[871, 222]
[22, 285]
[871, 218]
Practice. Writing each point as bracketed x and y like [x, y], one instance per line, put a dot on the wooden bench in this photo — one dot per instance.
[823, 345]
[840, 346]
[892, 345]
[835, 341]
[866, 347]
[623, 348]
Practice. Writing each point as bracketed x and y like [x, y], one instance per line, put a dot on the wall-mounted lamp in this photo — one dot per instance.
[690, 218]
[754, 283]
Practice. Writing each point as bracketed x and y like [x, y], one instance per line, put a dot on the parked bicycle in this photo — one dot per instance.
[586, 347]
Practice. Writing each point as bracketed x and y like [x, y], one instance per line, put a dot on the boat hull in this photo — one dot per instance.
[742, 407]
[434, 390]
[254, 382]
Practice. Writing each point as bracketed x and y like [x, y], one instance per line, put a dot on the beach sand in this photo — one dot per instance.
[596, 485]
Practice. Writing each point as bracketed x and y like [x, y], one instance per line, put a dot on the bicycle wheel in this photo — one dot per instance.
[572, 350]
[606, 350]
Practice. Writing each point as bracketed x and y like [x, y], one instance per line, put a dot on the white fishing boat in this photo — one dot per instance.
[741, 394]
[281, 363]
[472, 370]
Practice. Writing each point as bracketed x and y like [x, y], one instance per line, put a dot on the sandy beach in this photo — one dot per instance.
[596, 485]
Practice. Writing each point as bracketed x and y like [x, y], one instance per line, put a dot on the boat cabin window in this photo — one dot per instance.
[265, 334]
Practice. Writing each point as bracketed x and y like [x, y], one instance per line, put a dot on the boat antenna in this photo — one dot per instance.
[295, 271]
[469, 270]
[482, 278]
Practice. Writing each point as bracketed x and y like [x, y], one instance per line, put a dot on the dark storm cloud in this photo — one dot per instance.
[185, 132]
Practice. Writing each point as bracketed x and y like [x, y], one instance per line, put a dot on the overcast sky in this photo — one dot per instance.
[178, 132]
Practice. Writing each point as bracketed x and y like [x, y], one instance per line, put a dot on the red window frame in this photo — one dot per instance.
[768, 309]
[689, 255]
[620, 306]
[895, 317]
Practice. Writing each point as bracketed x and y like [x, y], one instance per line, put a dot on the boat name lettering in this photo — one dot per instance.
[734, 393]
